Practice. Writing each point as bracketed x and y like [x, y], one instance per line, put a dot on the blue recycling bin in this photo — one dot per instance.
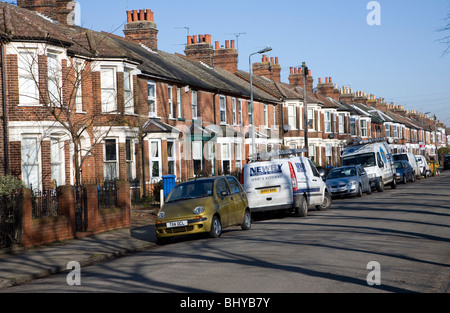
[168, 184]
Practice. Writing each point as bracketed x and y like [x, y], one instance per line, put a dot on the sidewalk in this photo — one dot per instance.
[28, 264]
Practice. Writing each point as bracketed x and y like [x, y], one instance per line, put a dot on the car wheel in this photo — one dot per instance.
[327, 200]
[247, 223]
[216, 227]
[360, 192]
[404, 181]
[413, 177]
[380, 185]
[369, 190]
[302, 210]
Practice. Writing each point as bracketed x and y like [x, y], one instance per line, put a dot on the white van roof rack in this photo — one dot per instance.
[274, 154]
[361, 142]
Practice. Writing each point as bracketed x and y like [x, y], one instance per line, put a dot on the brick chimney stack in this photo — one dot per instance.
[62, 11]
[226, 58]
[347, 95]
[268, 68]
[199, 48]
[296, 79]
[141, 28]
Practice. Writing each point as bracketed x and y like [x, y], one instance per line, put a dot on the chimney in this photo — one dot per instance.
[268, 68]
[199, 48]
[347, 95]
[325, 88]
[361, 97]
[296, 79]
[141, 28]
[226, 58]
[62, 11]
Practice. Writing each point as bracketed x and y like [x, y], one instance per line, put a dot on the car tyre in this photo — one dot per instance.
[327, 200]
[247, 222]
[394, 184]
[302, 210]
[360, 192]
[404, 181]
[413, 177]
[380, 185]
[216, 227]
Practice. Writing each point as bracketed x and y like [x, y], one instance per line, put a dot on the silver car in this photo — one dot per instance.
[348, 181]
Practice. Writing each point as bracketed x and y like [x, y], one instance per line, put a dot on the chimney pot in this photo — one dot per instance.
[129, 17]
[227, 44]
[292, 70]
[232, 44]
[135, 16]
[217, 45]
[276, 60]
[320, 80]
[141, 15]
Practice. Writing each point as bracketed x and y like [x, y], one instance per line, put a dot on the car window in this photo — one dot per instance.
[235, 185]
[314, 169]
[222, 186]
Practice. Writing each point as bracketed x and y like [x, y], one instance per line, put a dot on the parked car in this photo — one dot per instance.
[423, 165]
[405, 172]
[203, 206]
[447, 162]
[411, 159]
[348, 181]
[292, 184]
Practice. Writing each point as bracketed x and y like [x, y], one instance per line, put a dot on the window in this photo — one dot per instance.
[353, 126]
[327, 121]
[328, 154]
[223, 110]
[28, 78]
[222, 186]
[312, 152]
[311, 118]
[250, 116]
[234, 111]
[110, 160]
[363, 128]
[387, 130]
[170, 100]
[240, 111]
[54, 80]
[226, 158]
[292, 116]
[171, 157]
[194, 104]
[155, 159]
[395, 132]
[266, 116]
[238, 156]
[235, 185]
[78, 66]
[30, 163]
[129, 145]
[151, 87]
[197, 156]
[128, 91]
[341, 123]
[179, 103]
[57, 161]
[108, 85]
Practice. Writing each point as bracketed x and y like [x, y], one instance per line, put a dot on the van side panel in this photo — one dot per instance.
[268, 185]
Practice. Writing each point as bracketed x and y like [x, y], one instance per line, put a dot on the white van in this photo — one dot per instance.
[423, 165]
[285, 184]
[376, 158]
[411, 158]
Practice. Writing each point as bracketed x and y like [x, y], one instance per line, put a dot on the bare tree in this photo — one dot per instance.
[446, 38]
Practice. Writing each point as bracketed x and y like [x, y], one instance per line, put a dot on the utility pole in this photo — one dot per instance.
[435, 141]
[305, 108]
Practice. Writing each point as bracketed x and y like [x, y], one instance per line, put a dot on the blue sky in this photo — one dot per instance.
[400, 60]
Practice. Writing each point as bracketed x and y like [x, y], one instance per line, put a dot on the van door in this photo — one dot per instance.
[311, 182]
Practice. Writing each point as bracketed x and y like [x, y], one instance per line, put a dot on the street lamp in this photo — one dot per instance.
[267, 49]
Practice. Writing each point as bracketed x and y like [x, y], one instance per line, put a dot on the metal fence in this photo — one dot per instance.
[147, 194]
[11, 219]
[44, 203]
[107, 195]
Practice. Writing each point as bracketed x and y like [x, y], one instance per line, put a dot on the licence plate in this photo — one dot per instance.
[177, 224]
[270, 190]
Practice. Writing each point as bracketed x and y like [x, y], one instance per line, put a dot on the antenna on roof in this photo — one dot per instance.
[188, 31]
[237, 35]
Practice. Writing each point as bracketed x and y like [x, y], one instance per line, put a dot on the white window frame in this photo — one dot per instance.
[226, 157]
[78, 67]
[313, 113]
[152, 99]
[364, 128]
[131, 168]
[327, 121]
[179, 103]
[234, 111]
[292, 116]
[35, 163]
[341, 123]
[387, 130]
[194, 104]
[266, 116]
[114, 164]
[197, 154]
[109, 91]
[172, 157]
[57, 155]
[28, 71]
[238, 155]
[170, 101]
[128, 94]
[223, 110]
[241, 122]
[54, 76]
[155, 158]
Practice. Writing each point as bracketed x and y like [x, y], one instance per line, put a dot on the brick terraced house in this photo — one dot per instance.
[79, 105]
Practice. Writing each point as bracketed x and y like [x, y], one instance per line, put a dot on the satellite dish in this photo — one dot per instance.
[286, 128]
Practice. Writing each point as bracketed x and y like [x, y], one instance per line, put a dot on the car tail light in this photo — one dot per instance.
[293, 177]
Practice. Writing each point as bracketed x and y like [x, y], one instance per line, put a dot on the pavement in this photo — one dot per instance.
[24, 265]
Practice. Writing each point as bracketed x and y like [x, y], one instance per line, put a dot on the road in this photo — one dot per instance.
[406, 231]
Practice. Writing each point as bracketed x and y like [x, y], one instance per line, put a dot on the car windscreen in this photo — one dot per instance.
[192, 190]
[400, 157]
[365, 160]
[398, 165]
[342, 173]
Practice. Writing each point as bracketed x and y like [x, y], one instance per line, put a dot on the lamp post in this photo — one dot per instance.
[267, 49]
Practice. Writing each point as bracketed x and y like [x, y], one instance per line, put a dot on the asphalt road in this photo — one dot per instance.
[406, 231]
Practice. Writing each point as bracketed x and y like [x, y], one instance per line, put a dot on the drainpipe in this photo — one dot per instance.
[5, 121]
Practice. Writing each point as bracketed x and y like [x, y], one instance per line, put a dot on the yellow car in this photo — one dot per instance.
[204, 205]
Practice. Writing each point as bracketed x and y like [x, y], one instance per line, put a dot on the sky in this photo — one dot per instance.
[400, 60]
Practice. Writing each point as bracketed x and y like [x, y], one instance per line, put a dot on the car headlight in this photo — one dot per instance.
[162, 214]
[352, 184]
[199, 210]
